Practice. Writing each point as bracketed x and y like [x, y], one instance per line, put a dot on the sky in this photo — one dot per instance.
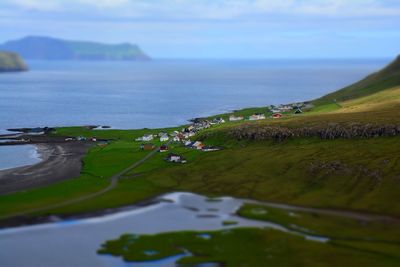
[258, 29]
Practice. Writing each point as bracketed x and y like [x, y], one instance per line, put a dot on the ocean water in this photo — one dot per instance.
[163, 92]
[17, 156]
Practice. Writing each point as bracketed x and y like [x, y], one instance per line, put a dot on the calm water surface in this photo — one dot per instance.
[74, 243]
[17, 156]
[162, 93]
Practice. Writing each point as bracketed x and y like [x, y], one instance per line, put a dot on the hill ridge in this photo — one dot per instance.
[50, 48]
[386, 78]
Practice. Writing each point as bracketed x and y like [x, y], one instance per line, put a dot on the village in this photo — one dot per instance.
[185, 136]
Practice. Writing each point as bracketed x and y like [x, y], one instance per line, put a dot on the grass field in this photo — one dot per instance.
[263, 248]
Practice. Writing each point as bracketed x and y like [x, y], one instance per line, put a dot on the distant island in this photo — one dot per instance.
[11, 62]
[47, 48]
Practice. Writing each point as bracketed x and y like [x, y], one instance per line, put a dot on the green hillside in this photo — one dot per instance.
[386, 78]
[11, 62]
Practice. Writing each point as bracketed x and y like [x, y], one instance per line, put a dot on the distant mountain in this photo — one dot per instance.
[386, 78]
[46, 48]
[11, 62]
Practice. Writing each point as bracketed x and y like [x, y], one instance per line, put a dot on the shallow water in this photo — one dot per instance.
[17, 156]
[74, 242]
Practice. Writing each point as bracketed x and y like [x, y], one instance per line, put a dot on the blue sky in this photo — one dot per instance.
[217, 28]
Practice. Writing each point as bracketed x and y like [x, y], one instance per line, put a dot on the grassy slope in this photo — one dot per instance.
[386, 78]
[11, 62]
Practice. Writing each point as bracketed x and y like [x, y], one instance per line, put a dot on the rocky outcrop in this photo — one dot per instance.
[328, 131]
[11, 62]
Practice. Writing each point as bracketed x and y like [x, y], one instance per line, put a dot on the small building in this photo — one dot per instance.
[175, 158]
[188, 135]
[198, 145]
[147, 147]
[235, 118]
[277, 115]
[163, 148]
[147, 137]
[298, 111]
[217, 120]
[81, 138]
[164, 138]
[188, 143]
[257, 116]
[179, 137]
[93, 139]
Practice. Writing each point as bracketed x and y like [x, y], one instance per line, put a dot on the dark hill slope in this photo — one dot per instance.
[386, 78]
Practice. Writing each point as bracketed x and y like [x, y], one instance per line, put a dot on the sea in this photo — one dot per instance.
[160, 93]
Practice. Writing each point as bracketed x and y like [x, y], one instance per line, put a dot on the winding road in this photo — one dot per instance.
[112, 185]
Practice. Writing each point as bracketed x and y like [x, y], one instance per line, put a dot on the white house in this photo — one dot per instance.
[234, 118]
[175, 158]
[164, 138]
[258, 116]
[147, 137]
[217, 121]
[198, 145]
[188, 143]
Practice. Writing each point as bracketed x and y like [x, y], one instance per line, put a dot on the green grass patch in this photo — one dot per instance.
[257, 246]
[335, 227]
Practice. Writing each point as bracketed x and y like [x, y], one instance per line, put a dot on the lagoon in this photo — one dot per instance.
[75, 242]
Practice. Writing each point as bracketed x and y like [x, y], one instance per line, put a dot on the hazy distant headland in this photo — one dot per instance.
[11, 62]
[47, 48]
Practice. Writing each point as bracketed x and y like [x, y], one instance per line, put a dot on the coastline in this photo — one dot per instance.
[32, 156]
[59, 161]
[361, 216]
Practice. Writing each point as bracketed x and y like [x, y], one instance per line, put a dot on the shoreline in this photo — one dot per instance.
[39, 154]
[24, 221]
[59, 162]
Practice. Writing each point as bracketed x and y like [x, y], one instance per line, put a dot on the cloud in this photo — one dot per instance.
[215, 27]
[215, 9]
[35, 4]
